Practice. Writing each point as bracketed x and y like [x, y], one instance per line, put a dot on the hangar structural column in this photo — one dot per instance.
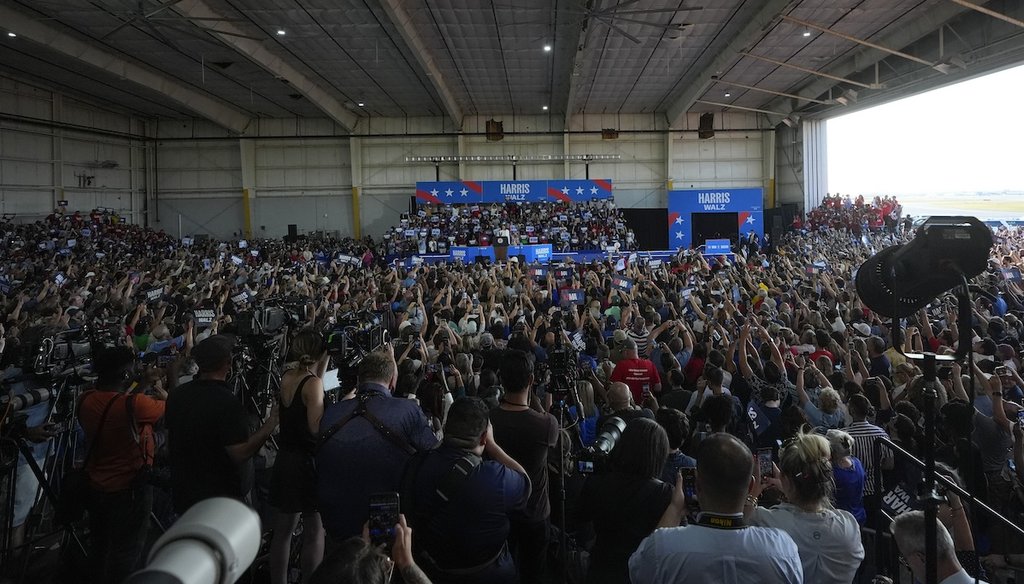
[768, 168]
[815, 162]
[248, 155]
[355, 148]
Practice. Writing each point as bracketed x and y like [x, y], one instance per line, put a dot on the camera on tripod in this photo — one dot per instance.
[355, 335]
[595, 458]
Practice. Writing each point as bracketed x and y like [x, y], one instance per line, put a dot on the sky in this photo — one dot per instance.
[965, 137]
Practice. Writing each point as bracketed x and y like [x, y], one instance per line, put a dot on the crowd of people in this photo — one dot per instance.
[748, 392]
[567, 226]
[856, 215]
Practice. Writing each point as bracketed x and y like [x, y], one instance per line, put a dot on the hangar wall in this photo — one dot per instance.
[304, 171]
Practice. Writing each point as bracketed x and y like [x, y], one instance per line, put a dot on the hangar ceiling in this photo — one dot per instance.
[233, 60]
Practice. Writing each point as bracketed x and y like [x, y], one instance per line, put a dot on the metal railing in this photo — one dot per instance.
[882, 527]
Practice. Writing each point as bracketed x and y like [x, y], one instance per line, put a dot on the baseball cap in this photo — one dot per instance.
[619, 335]
[486, 341]
[862, 329]
[213, 352]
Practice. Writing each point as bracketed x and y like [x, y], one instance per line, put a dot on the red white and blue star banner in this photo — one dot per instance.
[511, 191]
[746, 204]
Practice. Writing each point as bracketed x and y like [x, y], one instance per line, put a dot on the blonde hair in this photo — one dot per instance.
[829, 400]
[807, 461]
[840, 442]
[586, 395]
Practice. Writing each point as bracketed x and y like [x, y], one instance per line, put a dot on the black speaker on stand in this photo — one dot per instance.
[293, 233]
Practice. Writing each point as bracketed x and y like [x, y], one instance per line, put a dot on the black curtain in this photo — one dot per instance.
[650, 227]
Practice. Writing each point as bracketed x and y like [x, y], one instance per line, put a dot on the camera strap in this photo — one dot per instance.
[362, 411]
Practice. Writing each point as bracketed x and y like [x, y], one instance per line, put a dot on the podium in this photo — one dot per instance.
[501, 249]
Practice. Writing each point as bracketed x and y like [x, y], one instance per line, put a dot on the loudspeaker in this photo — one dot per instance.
[495, 130]
[293, 233]
[707, 126]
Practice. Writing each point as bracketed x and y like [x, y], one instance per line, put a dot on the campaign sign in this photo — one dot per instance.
[622, 283]
[154, 294]
[574, 296]
[746, 203]
[563, 273]
[538, 272]
[87, 233]
[186, 241]
[204, 317]
[242, 244]
[1012, 274]
[511, 191]
[237, 260]
[717, 247]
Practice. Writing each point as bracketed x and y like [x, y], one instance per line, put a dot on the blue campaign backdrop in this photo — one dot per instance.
[748, 204]
[511, 191]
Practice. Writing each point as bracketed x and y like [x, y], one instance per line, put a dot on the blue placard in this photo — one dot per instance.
[573, 296]
[747, 204]
[513, 191]
[717, 247]
[622, 283]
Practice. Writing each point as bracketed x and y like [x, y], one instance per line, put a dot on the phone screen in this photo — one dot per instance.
[689, 483]
[764, 462]
[384, 509]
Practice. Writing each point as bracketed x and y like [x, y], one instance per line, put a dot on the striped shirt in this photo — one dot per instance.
[864, 435]
[641, 342]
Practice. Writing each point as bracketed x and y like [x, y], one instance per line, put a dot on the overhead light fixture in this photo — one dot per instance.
[807, 32]
[728, 94]
[11, 34]
[360, 104]
[280, 32]
[547, 48]
[545, 108]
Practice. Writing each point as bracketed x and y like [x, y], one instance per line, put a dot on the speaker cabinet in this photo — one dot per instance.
[707, 126]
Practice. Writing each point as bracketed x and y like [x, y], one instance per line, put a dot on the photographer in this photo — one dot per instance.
[118, 423]
[626, 503]
[208, 431]
[527, 436]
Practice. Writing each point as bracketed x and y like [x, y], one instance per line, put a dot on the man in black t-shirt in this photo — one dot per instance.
[527, 436]
[208, 435]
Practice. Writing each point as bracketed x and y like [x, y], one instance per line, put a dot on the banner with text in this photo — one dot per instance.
[747, 204]
[511, 191]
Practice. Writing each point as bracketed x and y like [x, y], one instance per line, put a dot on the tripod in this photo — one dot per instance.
[59, 457]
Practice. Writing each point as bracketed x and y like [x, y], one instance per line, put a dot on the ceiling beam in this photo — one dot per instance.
[399, 17]
[992, 13]
[740, 43]
[854, 39]
[66, 42]
[257, 52]
[810, 71]
[864, 57]
[577, 41]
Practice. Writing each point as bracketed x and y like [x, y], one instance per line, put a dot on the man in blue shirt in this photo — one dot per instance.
[460, 504]
[367, 453]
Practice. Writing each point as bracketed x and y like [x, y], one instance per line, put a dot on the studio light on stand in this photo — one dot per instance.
[946, 253]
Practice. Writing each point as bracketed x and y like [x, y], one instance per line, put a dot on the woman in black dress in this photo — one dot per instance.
[293, 483]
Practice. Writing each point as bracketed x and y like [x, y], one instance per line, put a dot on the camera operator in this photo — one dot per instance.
[527, 436]
[460, 505]
[118, 423]
[626, 503]
[364, 444]
[208, 431]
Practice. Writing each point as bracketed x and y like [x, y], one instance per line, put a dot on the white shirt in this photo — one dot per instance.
[961, 577]
[696, 554]
[829, 542]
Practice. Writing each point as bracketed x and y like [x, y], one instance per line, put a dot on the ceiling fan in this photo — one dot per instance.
[591, 11]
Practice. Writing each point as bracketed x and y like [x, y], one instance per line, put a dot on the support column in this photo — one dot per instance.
[248, 150]
[768, 167]
[815, 162]
[461, 151]
[355, 147]
[566, 149]
[57, 115]
[669, 153]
